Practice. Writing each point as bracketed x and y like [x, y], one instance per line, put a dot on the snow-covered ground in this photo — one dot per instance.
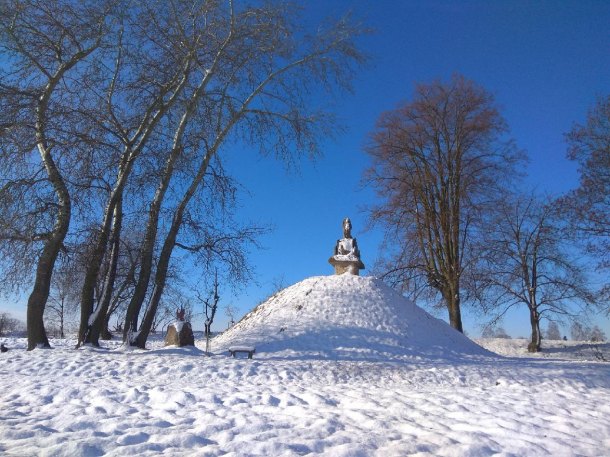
[553, 349]
[344, 367]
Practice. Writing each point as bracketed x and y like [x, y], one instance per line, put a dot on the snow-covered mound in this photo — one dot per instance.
[345, 317]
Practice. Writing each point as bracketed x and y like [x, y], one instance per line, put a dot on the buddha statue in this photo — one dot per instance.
[347, 255]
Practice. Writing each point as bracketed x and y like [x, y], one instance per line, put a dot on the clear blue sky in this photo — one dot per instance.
[545, 62]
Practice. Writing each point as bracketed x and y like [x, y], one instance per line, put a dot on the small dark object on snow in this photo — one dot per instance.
[249, 350]
[3, 348]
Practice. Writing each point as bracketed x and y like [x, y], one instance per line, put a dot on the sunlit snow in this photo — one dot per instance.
[343, 367]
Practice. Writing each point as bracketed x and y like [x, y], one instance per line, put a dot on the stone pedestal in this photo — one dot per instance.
[345, 264]
[180, 334]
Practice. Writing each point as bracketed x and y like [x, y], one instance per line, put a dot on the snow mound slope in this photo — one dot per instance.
[345, 317]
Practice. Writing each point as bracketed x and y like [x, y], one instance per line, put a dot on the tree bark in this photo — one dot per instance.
[534, 345]
[160, 280]
[44, 270]
[42, 284]
[99, 323]
[95, 263]
[455, 314]
[106, 334]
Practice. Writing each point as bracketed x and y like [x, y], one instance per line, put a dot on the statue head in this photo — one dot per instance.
[347, 228]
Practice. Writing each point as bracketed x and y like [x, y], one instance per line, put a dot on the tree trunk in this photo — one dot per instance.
[210, 318]
[536, 339]
[160, 279]
[61, 319]
[100, 321]
[37, 336]
[166, 251]
[44, 270]
[105, 334]
[93, 269]
[452, 301]
[455, 314]
[148, 246]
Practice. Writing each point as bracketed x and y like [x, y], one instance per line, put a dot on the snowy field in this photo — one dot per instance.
[400, 394]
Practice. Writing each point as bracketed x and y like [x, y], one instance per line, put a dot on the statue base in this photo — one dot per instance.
[346, 264]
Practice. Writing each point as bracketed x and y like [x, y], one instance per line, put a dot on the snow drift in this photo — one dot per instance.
[345, 317]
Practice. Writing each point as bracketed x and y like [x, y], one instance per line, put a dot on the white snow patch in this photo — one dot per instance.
[376, 378]
[346, 317]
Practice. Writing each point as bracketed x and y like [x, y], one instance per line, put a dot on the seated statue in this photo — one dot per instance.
[347, 255]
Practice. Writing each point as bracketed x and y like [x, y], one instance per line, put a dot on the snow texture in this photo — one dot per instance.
[356, 371]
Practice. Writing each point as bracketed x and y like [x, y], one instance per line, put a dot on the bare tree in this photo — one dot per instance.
[552, 331]
[9, 324]
[579, 331]
[526, 262]
[494, 331]
[46, 43]
[173, 300]
[589, 146]
[150, 70]
[63, 296]
[210, 306]
[438, 163]
[230, 312]
[597, 334]
[251, 86]
[582, 332]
